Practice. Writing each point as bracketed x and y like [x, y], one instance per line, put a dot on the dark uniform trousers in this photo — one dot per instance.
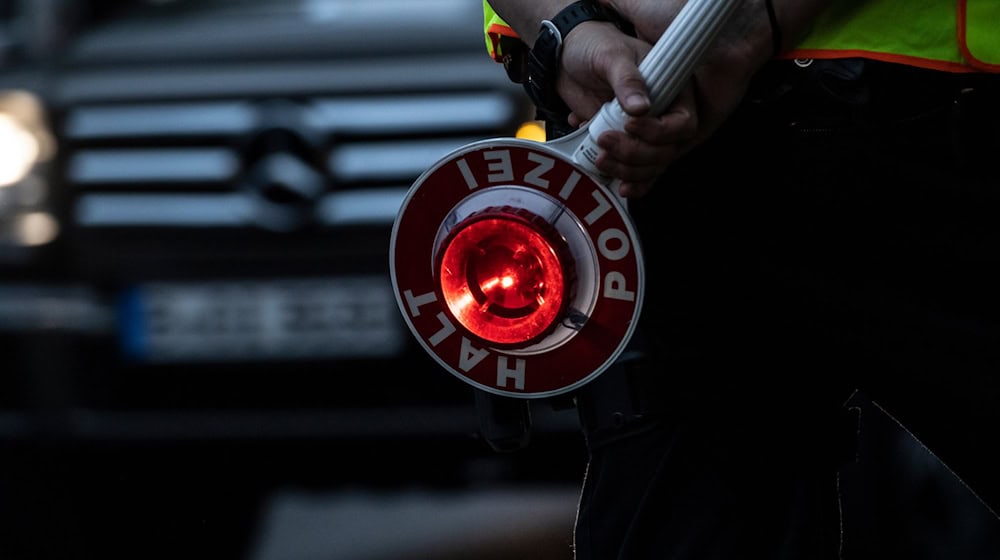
[840, 233]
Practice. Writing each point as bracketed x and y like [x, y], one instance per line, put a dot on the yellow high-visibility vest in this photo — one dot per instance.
[950, 35]
[493, 28]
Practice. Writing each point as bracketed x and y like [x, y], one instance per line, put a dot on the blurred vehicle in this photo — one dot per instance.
[195, 206]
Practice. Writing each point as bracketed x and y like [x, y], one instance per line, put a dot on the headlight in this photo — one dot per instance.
[20, 151]
[25, 219]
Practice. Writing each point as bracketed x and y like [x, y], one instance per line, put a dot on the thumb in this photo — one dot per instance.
[629, 87]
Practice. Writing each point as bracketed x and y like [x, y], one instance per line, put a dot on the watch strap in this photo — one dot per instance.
[543, 58]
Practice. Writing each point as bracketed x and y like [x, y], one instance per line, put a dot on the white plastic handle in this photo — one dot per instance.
[665, 69]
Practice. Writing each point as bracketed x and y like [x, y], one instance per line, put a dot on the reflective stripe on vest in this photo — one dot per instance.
[493, 28]
[950, 35]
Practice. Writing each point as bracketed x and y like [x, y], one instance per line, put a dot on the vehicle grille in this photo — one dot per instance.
[240, 163]
[248, 181]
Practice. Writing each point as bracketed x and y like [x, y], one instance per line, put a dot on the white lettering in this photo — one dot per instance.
[614, 287]
[567, 189]
[534, 176]
[470, 356]
[612, 234]
[505, 373]
[413, 303]
[502, 168]
[463, 166]
[446, 329]
[602, 208]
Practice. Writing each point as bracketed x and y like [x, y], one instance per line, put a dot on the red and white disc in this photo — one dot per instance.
[517, 271]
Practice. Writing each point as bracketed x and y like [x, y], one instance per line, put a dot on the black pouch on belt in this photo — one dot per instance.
[976, 126]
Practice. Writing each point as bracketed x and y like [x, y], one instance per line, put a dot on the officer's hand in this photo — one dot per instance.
[717, 86]
[600, 62]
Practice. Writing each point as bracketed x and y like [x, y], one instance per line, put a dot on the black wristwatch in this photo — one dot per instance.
[543, 59]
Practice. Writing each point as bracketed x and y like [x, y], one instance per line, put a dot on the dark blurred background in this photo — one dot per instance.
[200, 352]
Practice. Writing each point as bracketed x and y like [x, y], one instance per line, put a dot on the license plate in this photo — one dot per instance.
[351, 317]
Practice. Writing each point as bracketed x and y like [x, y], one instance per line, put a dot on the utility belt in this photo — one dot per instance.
[883, 101]
[887, 90]
[626, 399]
[635, 395]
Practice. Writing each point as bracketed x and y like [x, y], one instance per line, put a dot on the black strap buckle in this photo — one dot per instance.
[543, 59]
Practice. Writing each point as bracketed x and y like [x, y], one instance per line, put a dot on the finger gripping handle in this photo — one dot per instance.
[665, 69]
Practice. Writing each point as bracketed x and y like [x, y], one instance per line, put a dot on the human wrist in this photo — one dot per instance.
[796, 17]
[747, 40]
[546, 54]
[775, 25]
[764, 29]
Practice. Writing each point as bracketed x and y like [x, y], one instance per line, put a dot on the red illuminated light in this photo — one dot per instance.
[505, 275]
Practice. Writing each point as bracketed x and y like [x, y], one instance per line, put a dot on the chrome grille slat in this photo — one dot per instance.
[201, 163]
[352, 207]
[164, 210]
[415, 113]
[390, 160]
[179, 119]
[152, 165]
[439, 73]
[361, 207]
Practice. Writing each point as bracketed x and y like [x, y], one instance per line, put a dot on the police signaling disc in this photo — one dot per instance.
[516, 270]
